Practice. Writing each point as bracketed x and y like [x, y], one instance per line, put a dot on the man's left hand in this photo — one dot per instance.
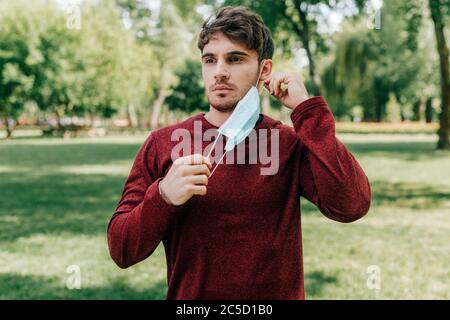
[293, 95]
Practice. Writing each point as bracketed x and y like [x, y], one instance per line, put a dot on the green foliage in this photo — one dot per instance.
[189, 94]
[368, 64]
[116, 69]
[18, 55]
[93, 70]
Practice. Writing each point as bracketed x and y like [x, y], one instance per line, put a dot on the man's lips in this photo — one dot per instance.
[221, 87]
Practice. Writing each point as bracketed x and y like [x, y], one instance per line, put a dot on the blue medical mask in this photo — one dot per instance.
[243, 119]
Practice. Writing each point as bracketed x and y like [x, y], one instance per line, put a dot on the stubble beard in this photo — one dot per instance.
[223, 105]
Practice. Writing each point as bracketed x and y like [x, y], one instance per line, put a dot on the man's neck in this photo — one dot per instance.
[216, 117]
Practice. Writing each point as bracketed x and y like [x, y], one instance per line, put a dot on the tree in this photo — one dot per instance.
[96, 70]
[18, 54]
[437, 9]
[56, 70]
[370, 64]
[163, 30]
[189, 94]
[118, 70]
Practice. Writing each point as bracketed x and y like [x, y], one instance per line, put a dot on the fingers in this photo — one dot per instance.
[200, 179]
[193, 159]
[270, 84]
[277, 85]
[274, 83]
[199, 190]
[196, 169]
[278, 80]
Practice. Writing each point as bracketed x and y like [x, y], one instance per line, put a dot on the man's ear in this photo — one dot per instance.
[266, 72]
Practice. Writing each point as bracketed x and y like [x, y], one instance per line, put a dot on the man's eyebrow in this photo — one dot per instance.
[230, 53]
[237, 52]
[208, 54]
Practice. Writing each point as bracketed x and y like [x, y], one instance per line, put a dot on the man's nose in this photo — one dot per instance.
[221, 72]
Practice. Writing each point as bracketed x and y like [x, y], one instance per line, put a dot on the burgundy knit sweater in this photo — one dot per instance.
[242, 240]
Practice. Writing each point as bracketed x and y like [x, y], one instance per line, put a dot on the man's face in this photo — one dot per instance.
[229, 70]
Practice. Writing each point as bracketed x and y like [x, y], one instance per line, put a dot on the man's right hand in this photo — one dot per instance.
[187, 176]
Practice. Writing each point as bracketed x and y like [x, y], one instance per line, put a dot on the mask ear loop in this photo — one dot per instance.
[257, 81]
[212, 148]
[209, 153]
[217, 164]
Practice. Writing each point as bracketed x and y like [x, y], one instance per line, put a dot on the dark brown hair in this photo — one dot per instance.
[241, 25]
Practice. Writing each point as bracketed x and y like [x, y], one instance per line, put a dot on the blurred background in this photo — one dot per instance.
[83, 83]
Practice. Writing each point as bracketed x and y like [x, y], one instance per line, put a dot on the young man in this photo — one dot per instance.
[236, 234]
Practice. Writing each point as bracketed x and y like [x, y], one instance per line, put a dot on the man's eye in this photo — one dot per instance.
[235, 59]
[209, 60]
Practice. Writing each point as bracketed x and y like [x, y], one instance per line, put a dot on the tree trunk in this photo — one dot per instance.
[132, 117]
[444, 117]
[8, 127]
[305, 37]
[166, 116]
[58, 120]
[417, 109]
[429, 110]
[157, 109]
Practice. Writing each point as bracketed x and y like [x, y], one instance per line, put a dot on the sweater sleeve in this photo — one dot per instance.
[142, 217]
[330, 176]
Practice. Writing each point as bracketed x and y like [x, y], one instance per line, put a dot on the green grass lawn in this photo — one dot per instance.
[57, 196]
